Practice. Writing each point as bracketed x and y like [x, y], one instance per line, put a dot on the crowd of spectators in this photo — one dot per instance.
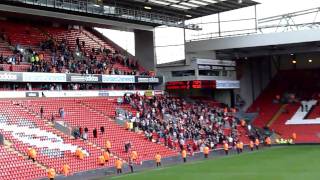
[181, 124]
[64, 57]
[80, 60]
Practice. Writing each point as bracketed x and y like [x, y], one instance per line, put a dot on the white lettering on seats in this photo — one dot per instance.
[37, 137]
[298, 117]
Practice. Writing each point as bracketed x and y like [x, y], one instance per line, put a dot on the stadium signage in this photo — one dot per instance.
[118, 79]
[202, 84]
[215, 62]
[43, 77]
[224, 84]
[62, 77]
[89, 93]
[32, 94]
[4, 76]
[147, 79]
[83, 78]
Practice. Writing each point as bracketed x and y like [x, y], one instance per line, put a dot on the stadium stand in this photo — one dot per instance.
[14, 166]
[291, 87]
[44, 49]
[148, 124]
[80, 115]
[25, 129]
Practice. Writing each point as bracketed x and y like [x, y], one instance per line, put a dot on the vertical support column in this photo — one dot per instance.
[270, 68]
[144, 49]
[252, 80]
[184, 42]
[232, 98]
[255, 18]
[219, 25]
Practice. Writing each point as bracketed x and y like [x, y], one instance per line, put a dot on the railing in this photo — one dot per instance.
[83, 6]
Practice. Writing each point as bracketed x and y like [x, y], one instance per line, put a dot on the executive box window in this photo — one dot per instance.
[183, 73]
[224, 73]
[209, 72]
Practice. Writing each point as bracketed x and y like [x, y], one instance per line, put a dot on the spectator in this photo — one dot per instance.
[41, 112]
[85, 136]
[102, 129]
[52, 118]
[170, 119]
[127, 146]
[61, 112]
[130, 163]
[80, 131]
[95, 134]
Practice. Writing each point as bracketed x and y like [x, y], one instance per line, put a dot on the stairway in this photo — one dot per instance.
[8, 146]
[277, 115]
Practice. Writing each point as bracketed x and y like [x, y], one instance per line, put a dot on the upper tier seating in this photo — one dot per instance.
[25, 36]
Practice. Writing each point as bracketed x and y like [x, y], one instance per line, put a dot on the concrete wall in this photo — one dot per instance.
[256, 75]
[144, 47]
[223, 96]
[254, 40]
[166, 72]
[201, 55]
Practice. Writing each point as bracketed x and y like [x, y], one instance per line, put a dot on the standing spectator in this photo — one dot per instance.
[130, 163]
[61, 112]
[51, 174]
[127, 146]
[78, 42]
[101, 160]
[52, 118]
[257, 143]
[41, 112]
[226, 148]
[184, 155]
[85, 136]
[102, 129]
[251, 145]
[66, 169]
[158, 159]
[206, 151]
[118, 165]
[32, 153]
[108, 146]
[106, 156]
[95, 133]
[80, 131]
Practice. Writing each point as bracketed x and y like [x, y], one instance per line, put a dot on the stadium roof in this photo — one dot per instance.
[153, 13]
[187, 9]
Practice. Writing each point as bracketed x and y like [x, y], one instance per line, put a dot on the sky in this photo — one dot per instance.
[173, 38]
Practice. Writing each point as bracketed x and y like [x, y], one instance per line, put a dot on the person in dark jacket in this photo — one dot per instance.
[41, 112]
[95, 133]
[102, 130]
